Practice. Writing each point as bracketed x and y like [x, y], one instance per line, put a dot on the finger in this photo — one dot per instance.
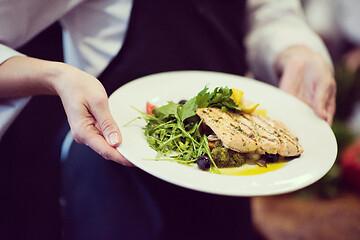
[330, 114]
[106, 124]
[99, 145]
[331, 106]
[325, 100]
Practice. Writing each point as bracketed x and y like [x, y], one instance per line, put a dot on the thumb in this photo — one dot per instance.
[110, 131]
[107, 125]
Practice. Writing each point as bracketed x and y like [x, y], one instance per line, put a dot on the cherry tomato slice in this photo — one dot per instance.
[149, 108]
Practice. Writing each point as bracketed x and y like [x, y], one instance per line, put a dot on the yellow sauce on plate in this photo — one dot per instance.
[252, 169]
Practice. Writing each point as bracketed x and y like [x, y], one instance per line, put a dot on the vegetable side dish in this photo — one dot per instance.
[216, 130]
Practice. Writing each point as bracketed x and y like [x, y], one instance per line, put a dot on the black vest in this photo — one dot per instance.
[169, 35]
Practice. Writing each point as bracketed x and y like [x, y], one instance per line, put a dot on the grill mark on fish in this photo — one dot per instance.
[268, 142]
[237, 141]
[284, 148]
[251, 133]
[288, 142]
[289, 146]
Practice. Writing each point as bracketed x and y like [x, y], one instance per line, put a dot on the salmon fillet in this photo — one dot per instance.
[247, 133]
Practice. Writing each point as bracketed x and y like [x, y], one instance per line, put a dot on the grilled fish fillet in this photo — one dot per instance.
[247, 133]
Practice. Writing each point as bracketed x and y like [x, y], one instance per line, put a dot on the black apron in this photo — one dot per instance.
[105, 200]
[170, 35]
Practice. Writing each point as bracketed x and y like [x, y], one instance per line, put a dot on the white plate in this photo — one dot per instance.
[316, 137]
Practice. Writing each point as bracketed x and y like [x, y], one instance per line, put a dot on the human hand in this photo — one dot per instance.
[306, 75]
[83, 97]
[86, 105]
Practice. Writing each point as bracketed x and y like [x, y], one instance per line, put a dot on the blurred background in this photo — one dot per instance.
[330, 208]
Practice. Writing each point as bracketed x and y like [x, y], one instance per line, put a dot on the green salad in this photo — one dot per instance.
[175, 131]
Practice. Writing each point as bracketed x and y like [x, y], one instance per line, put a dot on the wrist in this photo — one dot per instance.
[54, 76]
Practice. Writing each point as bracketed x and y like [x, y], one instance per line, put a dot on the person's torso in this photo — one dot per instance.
[170, 35]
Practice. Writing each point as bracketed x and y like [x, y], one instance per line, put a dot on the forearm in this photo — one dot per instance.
[22, 76]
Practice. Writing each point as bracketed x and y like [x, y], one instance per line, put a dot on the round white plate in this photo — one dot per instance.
[315, 135]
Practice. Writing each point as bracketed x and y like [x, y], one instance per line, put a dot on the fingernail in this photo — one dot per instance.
[114, 138]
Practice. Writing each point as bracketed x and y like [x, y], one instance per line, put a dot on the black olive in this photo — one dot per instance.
[182, 101]
[271, 158]
[203, 162]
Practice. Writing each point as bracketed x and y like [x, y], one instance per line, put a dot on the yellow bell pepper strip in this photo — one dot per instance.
[236, 96]
[250, 109]
[247, 106]
[260, 111]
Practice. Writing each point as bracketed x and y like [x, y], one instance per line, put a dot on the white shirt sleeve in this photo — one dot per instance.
[276, 25]
[6, 53]
[9, 108]
[94, 32]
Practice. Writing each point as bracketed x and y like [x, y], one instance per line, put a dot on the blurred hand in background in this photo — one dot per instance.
[306, 75]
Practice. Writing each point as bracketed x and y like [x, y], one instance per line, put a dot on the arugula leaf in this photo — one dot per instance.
[166, 110]
[187, 110]
[202, 99]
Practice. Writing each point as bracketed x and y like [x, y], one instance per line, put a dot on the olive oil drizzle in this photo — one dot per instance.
[253, 169]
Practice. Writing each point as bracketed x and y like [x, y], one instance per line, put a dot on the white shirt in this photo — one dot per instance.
[94, 31]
